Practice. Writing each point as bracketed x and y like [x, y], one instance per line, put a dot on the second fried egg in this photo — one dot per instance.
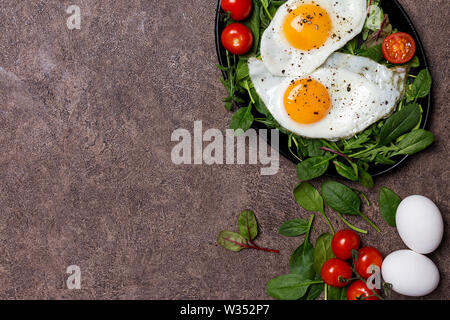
[337, 101]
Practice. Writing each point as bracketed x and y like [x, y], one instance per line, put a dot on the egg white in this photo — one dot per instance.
[361, 92]
[281, 59]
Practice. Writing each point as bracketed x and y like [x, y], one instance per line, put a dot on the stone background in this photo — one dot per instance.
[85, 171]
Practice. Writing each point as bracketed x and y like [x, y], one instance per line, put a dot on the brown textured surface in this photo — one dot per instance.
[85, 171]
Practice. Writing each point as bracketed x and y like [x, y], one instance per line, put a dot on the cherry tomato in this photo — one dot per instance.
[358, 290]
[343, 242]
[237, 38]
[240, 9]
[333, 270]
[399, 48]
[367, 256]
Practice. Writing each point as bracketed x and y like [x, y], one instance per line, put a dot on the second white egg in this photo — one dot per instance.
[419, 224]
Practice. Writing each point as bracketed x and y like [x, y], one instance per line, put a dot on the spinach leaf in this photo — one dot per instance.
[302, 259]
[308, 197]
[335, 293]
[259, 104]
[312, 168]
[373, 53]
[347, 172]
[294, 228]
[248, 227]
[242, 119]
[344, 200]
[323, 251]
[420, 87]
[388, 202]
[288, 286]
[414, 63]
[314, 290]
[414, 142]
[341, 198]
[400, 122]
[231, 240]
[313, 146]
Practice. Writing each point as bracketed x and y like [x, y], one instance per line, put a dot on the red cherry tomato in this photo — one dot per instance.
[399, 48]
[367, 256]
[343, 242]
[237, 38]
[334, 270]
[358, 290]
[240, 9]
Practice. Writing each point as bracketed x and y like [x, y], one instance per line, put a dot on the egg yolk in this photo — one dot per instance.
[306, 101]
[307, 27]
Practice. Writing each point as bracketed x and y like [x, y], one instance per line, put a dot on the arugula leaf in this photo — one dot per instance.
[381, 159]
[312, 168]
[414, 142]
[248, 227]
[400, 122]
[294, 228]
[388, 203]
[358, 141]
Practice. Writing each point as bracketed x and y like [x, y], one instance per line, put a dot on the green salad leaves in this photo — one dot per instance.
[383, 143]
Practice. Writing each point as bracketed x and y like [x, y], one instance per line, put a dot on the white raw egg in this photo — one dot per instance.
[410, 273]
[419, 224]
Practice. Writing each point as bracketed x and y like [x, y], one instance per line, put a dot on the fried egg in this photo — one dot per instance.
[304, 33]
[338, 100]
